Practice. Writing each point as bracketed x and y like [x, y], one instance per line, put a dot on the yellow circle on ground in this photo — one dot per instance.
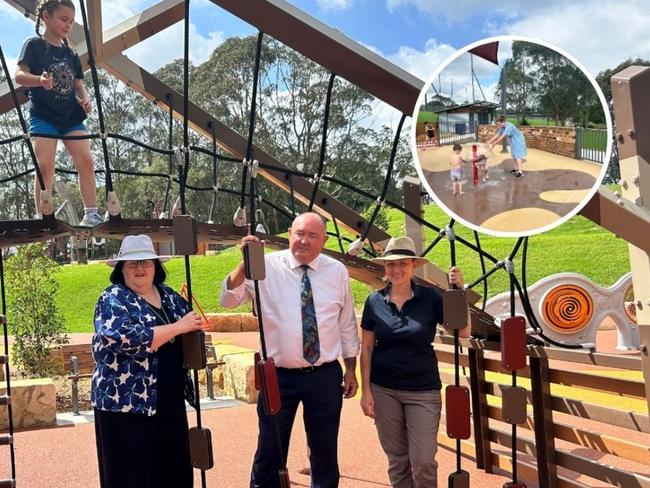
[520, 220]
[564, 196]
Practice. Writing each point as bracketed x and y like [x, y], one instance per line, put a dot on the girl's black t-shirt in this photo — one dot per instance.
[58, 106]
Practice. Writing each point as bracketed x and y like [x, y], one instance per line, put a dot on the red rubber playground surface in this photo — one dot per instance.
[65, 456]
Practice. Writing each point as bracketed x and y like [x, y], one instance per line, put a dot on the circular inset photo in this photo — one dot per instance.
[512, 136]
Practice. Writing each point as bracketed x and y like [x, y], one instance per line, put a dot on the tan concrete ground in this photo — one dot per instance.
[437, 159]
[551, 187]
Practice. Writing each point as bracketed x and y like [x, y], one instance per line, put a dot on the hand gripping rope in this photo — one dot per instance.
[266, 380]
[265, 373]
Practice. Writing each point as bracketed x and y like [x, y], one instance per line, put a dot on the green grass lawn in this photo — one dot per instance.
[577, 246]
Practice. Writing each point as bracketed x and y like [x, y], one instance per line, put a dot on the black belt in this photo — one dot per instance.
[307, 369]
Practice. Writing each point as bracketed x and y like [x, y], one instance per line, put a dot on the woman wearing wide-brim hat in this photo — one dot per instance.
[139, 385]
[399, 370]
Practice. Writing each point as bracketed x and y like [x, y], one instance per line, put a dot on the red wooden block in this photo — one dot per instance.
[513, 343]
[513, 404]
[457, 411]
[454, 309]
[511, 484]
[458, 479]
[269, 386]
[200, 440]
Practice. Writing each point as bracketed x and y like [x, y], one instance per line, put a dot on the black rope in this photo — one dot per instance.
[10, 415]
[433, 244]
[23, 124]
[78, 137]
[184, 170]
[339, 239]
[485, 282]
[98, 96]
[214, 154]
[170, 146]
[251, 121]
[389, 172]
[164, 152]
[292, 197]
[215, 175]
[10, 140]
[323, 144]
[452, 252]
[514, 384]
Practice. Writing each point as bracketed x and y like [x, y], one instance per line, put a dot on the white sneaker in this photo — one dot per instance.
[91, 219]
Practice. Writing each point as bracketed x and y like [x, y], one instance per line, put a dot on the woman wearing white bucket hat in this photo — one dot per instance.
[399, 370]
[139, 384]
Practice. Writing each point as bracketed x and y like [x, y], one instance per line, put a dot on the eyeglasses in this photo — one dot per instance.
[145, 263]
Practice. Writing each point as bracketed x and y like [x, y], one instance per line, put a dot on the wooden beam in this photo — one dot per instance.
[631, 97]
[331, 49]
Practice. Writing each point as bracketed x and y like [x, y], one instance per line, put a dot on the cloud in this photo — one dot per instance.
[422, 63]
[599, 33]
[459, 10]
[608, 35]
[333, 5]
[167, 45]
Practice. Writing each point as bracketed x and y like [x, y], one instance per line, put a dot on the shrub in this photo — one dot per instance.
[34, 319]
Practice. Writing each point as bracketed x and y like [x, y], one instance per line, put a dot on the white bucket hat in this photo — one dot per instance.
[400, 248]
[136, 248]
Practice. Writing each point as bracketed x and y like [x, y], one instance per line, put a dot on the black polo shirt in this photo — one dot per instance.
[403, 357]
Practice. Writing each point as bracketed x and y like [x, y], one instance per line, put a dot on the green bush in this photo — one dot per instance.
[34, 319]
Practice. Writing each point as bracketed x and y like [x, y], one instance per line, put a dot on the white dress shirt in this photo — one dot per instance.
[281, 313]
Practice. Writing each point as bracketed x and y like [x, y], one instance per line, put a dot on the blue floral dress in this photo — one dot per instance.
[516, 139]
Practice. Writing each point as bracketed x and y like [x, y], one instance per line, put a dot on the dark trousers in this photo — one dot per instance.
[321, 394]
[137, 451]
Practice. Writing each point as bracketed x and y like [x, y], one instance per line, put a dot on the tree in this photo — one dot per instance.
[34, 319]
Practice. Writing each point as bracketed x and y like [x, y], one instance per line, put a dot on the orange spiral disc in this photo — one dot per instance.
[568, 308]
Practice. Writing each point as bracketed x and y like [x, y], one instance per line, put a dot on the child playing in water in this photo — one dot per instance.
[481, 162]
[456, 164]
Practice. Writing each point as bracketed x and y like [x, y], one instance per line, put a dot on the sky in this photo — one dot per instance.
[417, 35]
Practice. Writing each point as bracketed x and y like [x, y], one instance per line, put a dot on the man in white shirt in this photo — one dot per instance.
[309, 322]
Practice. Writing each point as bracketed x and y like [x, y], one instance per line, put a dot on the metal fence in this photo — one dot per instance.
[451, 132]
[591, 144]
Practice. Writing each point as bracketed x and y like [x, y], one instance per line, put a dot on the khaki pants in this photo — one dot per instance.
[407, 424]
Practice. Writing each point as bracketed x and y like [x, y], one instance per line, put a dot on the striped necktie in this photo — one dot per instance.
[310, 343]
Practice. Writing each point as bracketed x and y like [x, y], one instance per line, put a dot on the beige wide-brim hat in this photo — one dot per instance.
[136, 248]
[400, 248]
